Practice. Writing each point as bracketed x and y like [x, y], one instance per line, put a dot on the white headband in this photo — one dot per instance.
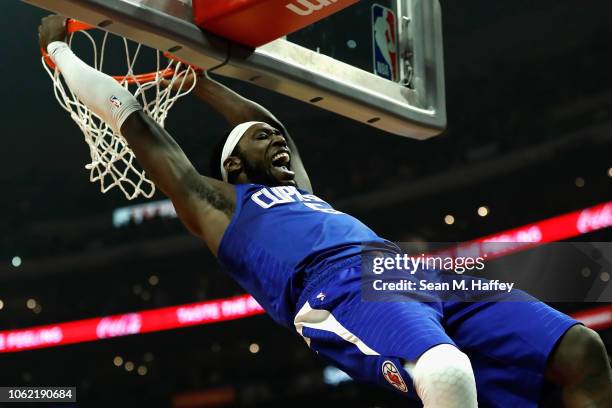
[232, 141]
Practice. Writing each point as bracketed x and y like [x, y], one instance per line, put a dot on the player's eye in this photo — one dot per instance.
[262, 135]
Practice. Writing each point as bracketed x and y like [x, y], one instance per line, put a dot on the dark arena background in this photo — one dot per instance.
[529, 138]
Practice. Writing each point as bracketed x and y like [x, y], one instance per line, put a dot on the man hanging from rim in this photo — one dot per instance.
[301, 260]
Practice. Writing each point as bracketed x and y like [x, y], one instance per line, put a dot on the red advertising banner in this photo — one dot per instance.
[129, 324]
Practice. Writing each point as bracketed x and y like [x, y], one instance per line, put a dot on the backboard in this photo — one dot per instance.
[380, 63]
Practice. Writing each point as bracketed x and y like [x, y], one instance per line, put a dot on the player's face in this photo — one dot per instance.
[266, 157]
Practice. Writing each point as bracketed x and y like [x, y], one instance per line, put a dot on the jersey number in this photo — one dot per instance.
[320, 207]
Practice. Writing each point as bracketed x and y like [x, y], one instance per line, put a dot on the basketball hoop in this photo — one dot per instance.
[113, 163]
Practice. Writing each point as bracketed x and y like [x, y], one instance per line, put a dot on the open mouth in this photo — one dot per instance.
[281, 162]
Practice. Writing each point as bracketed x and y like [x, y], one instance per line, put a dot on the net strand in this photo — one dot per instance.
[113, 164]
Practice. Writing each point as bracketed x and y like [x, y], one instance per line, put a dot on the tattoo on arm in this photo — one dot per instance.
[208, 193]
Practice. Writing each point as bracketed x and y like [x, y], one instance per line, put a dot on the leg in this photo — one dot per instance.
[509, 344]
[443, 378]
[580, 365]
[372, 341]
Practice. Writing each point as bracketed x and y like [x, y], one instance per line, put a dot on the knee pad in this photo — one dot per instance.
[443, 378]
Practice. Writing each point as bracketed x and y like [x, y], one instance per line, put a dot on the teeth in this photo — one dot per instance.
[279, 155]
[283, 155]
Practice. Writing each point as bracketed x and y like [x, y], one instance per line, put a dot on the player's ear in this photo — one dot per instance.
[232, 164]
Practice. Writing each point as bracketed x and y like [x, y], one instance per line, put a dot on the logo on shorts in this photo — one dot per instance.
[393, 376]
[115, 101]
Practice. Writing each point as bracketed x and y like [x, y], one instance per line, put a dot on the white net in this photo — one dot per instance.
[113, 163]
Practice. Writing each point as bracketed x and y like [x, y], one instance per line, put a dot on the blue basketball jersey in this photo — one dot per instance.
[300, 259]
[280, 238]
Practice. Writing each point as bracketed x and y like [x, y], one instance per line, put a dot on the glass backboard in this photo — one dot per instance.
[377, 62]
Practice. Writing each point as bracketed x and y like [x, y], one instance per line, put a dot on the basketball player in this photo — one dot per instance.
[301, 260]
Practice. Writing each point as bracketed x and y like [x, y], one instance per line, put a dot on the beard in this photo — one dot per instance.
[257, 173]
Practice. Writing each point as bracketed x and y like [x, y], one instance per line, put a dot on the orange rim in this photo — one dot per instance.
[72, 26]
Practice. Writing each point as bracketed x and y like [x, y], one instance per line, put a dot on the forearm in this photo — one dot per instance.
[235, 108]
[98, 91]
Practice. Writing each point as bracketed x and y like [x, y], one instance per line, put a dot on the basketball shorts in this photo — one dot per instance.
[508, 343]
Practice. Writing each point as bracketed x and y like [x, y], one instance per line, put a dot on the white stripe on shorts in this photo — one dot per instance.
[323, 320]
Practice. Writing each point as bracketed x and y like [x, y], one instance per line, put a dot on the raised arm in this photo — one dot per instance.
[205, 205]
[237, 109]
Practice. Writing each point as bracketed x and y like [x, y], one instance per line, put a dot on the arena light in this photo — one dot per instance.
[550, 230]
[483, 211]
[254, 348]
[16, 261]
[31, 304]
